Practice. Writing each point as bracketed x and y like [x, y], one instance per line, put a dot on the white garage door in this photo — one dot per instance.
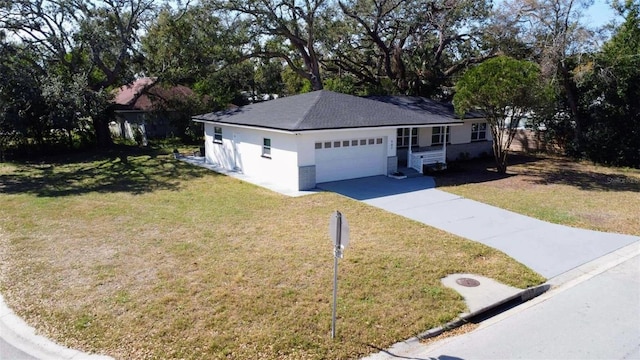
[350, 159]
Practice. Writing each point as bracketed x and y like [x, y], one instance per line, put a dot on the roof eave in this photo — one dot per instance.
[334, 129]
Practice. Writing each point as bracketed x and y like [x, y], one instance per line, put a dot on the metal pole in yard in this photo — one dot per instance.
[336, 255]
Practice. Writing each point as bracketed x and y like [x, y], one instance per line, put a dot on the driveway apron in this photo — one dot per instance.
[546, 248]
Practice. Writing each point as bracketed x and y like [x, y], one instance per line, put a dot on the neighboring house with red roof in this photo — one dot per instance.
[144, 109]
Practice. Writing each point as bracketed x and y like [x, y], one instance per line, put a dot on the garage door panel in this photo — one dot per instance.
[350, 162]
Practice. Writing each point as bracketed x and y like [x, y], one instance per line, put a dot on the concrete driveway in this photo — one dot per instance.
[547, 248]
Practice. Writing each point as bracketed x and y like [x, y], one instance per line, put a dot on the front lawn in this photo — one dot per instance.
[554, 188]
[141, 256]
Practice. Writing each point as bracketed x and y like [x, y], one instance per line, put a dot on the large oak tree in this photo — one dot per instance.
[289, 30]
[416, 45]
[94, 39]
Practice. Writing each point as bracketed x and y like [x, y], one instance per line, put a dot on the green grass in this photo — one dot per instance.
[144, 257]
[555, 189]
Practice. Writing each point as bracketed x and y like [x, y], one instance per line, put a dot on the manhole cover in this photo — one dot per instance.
[467, 282]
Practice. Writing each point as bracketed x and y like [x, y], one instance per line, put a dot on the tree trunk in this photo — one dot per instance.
[316, 82]
[572, 101]
[500, 155]
[103, 135]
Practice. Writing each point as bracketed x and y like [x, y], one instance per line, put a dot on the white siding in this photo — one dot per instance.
[462, 134]
[424, 137]
[241, 150]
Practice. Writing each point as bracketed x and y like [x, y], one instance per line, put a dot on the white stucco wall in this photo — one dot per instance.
[462, 134]
[241, 150]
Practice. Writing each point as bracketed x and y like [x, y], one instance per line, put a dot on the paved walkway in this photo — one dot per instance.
[273, 186]
[548, 249]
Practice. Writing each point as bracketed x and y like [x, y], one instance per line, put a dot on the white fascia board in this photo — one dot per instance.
[299, 132]
[375, 128]
[245, 126]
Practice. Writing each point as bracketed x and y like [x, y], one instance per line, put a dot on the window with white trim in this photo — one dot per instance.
[217, 135]
[404, 137]
[437, 135]
[266, 148]
[478, 131]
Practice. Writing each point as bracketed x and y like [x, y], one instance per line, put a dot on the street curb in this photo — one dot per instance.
[596, 266]
[524, 299]
[411, 343]
[518, 298]
[20, 335]
[558, 283]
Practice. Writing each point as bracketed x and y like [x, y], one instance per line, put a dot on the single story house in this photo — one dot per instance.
[322, 136]
[144, 108]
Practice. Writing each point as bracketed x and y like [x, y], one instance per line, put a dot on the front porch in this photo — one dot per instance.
[432, 156]
[422, 147]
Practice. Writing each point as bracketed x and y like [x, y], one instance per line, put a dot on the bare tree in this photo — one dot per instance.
[557, 36]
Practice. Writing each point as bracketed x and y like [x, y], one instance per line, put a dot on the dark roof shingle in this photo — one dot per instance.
[425, 106]
[320, 110]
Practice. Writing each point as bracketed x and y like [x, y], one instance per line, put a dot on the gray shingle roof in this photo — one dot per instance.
[425, 106]
[320, 110]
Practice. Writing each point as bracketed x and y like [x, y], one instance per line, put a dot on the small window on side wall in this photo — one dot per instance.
[266, 148]
[217, 135]
[478, 131]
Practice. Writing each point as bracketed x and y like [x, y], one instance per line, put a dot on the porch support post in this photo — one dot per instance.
[444, 146]
[409, 164]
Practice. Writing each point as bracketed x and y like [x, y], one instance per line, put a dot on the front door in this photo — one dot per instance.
[405, 137]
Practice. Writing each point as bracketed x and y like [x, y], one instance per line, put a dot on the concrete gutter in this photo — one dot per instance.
[28, 344]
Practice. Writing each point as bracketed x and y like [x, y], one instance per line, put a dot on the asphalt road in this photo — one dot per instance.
[595, 319]
[7, 352]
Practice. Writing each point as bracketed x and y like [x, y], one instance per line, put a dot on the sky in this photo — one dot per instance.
[600, 13]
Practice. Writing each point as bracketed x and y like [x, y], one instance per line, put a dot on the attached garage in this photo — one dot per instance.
[350, 158]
